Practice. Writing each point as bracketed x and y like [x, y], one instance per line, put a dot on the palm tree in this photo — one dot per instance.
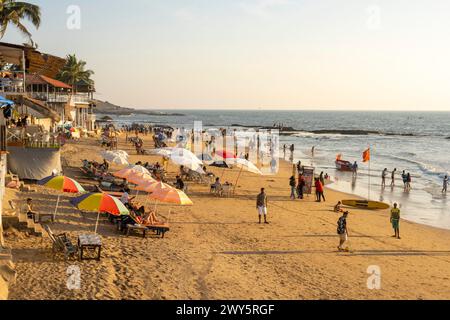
[12, 12]
[74, 71]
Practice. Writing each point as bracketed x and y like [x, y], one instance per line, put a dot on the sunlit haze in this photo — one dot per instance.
[287, 54]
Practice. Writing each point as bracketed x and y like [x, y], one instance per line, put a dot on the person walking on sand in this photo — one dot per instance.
[395, 221]
[445, 184]
[292, 185]
[319, 190]
[342, 231]
[261, 205]
[383, 178]
[321, 178]
[393, 177]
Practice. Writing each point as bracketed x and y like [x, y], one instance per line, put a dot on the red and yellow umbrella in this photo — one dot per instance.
[61, 183]
[100, 202]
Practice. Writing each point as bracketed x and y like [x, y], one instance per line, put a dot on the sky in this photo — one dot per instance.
[262, 54]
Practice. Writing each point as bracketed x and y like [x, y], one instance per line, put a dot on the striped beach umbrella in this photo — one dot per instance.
[124, 173]
[62, 183]
[100, 203]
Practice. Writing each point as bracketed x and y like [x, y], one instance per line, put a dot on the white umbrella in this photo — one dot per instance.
[244, 165]
[139, 169]
[178, 153]
[114, 158]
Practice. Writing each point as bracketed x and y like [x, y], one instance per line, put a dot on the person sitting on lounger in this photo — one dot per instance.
[125, 198]
[179, 184]
[217, 186]
[151, 219]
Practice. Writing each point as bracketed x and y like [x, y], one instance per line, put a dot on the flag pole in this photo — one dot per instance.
[368, 187]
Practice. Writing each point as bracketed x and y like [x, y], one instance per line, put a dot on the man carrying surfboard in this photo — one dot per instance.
[342, 231]
[395, 221]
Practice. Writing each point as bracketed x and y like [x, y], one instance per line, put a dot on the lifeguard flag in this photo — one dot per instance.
[366, 155]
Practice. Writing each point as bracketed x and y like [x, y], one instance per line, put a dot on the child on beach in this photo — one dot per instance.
[342, 231]
[338, 207]
[395, 221]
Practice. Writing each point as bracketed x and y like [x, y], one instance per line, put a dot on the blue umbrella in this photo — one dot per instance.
[5, 102]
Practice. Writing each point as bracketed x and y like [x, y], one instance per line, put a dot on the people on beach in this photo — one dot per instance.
[355, 169]
[125, 198]
[292, 185]
[383, 178]
[321, 178]
[408, 181]
[404, 179]
[30, 209]
[319, 190]
[261, 205]
[338, 207]
[445, 184]
[393, 177]
[300, 186]
[342, 231]
[299, 167]
[395, 220]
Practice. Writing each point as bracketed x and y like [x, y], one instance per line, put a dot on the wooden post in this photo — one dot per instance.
[237, 180]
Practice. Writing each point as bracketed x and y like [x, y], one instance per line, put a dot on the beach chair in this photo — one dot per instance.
[226, 190]
[61, 244]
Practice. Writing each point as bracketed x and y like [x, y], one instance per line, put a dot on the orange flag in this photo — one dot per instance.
[366, 155]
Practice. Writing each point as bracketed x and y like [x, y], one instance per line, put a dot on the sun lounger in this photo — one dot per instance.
[61, 243]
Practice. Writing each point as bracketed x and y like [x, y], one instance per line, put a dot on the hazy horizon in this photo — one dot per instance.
[257, 54]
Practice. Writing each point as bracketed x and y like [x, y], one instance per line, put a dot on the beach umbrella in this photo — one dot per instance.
[62, 184]
[139, 169]
[139, 178]
[178, 153]
[146, 185]
[114, 158]
[246, 165]
[124, 173]
[100, 203]
[171, 195]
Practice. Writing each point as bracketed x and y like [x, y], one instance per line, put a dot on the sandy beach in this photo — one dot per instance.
[217, 250]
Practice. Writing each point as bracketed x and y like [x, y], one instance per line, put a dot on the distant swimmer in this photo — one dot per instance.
[383, 178]
[393, 177]
[445, 184]
[313, 150]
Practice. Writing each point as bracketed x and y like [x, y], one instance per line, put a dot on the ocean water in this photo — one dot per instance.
[417, 142]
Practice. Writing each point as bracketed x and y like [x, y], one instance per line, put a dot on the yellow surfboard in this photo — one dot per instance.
[364, 204]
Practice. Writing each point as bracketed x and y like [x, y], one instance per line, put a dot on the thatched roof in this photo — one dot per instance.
[35, 61]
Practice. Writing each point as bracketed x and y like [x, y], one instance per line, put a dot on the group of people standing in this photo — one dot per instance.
[406, 178]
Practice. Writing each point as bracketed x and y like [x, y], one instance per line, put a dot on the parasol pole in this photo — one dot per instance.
[96, 223]
[237, 180]
[56, 208]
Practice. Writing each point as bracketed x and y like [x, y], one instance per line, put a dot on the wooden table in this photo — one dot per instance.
[89, 242]
[38, 217]
[138, 228]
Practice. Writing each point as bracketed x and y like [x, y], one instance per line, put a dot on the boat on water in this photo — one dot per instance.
[343, 165]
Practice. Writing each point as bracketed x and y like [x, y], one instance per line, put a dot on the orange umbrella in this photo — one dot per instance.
[151, 188]
[124, 173]
[172, 195]
[139, 178]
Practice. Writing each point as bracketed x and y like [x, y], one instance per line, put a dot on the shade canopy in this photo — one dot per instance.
[62, 183]
[151, 188]
[245, 165]
[172, 195]
[100, 202]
